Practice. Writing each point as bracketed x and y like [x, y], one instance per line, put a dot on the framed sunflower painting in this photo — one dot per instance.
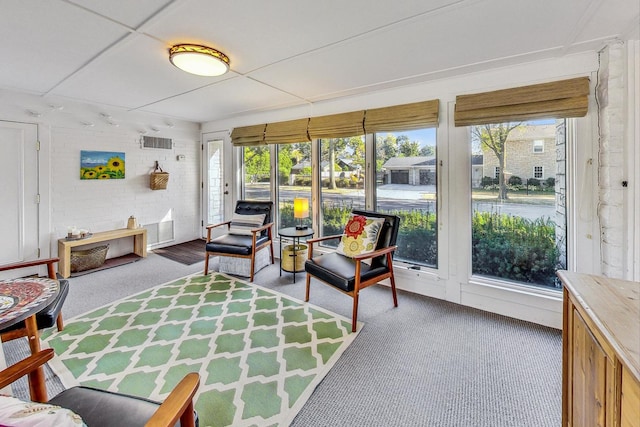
[101, 165]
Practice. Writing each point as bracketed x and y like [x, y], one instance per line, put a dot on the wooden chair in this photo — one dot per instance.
[243, 239]
[99, 408]
[352, 274]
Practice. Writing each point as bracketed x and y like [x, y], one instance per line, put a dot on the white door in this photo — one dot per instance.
[216, 180]
[19, 192]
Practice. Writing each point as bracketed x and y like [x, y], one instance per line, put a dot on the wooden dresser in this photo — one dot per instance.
[600, 351]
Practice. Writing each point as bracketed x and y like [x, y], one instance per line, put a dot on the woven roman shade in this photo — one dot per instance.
[248, 135]
[337, 125]
[288, 132]
[402, 117]
[561, 99]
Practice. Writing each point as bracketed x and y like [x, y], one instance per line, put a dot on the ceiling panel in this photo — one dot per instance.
[481, 32]
[136, 73]
[257, 33]
[127, 12]
[40, 47]
[231, 97]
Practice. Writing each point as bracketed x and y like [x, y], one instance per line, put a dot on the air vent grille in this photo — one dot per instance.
[155, 142]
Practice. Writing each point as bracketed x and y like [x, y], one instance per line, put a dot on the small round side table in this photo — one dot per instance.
[295, 234]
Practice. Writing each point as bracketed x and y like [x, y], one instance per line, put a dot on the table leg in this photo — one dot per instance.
[295, 246]
[37, 386]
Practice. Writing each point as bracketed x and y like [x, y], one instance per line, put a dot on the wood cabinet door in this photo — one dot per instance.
[589, 376]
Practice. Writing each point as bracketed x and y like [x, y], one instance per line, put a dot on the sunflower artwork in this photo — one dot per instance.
[101, 165]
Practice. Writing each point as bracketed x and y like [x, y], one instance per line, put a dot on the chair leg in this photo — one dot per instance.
[271, 246]
[306, 298]
[392, 279]
[253, 263]
[206, 263]
[60, 322]
[354, 316]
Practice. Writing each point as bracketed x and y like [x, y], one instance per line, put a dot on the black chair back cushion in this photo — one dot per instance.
[255, 207]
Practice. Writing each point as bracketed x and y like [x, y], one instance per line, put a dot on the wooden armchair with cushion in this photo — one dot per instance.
[363, 258]
[97, 408]
[249, 231]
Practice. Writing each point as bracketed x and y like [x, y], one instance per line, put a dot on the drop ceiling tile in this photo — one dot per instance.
[228, 98]
[40, 48]
[136, 73]
[127, 12]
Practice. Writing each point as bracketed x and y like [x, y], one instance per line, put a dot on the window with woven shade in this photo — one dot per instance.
[248, 135]
[559, 99]
[288, 132]
[337, 125]
[417, 115]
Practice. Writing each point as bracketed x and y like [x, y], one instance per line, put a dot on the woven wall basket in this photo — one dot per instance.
[159, 180]
[88, 258]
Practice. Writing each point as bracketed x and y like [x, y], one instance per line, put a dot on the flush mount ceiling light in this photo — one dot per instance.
[199, 60]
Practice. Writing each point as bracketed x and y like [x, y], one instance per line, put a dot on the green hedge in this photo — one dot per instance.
[515, 248]
[503, 246]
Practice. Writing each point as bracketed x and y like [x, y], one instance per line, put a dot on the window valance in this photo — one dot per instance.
[399, 117]
[287, 132]
[248, 135]
[337, 125]
[402, 117]
[560, 99]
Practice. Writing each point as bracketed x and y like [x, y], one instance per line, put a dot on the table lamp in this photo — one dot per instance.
[300, 211]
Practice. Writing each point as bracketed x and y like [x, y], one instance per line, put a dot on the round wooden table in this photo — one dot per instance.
[21, 299]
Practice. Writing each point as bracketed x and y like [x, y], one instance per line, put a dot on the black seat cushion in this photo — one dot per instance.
[104, 408]
[235, 244]
[340, 271]
[47, 317]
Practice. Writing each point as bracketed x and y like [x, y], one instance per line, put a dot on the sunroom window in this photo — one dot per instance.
[519, 226]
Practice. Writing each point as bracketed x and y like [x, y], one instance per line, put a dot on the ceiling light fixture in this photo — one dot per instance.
[199, 60]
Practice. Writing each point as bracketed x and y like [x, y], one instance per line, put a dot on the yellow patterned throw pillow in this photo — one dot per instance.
[360, 235]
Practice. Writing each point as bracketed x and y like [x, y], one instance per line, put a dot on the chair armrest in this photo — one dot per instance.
[259, 229]
[24, 367]
[178, 405]
[375, 253]
[210, 226]
[320, 239]
[25, 264]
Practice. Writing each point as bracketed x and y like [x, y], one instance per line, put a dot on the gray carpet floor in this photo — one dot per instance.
[425, 363]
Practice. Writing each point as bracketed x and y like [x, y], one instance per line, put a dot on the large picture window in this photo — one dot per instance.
[257, 172]
[519, 223]
[406, 185]
[342, 182]
[294, 181]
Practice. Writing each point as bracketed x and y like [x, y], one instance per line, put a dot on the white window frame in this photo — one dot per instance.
[538, 146]
[541, 172]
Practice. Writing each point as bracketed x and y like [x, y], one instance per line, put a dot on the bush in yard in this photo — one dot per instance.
[533, 182]
[504, 246]
[515, 180]
[487, 181]
[515, 248]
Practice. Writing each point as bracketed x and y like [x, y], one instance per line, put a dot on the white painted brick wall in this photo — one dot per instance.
[611, 97]
[100, 205]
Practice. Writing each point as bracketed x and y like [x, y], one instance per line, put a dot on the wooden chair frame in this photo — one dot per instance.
[177, 406]
[358, 285]
[255, 248]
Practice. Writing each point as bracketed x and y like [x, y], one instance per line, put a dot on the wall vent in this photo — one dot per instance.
[159, 233]
[158, 143]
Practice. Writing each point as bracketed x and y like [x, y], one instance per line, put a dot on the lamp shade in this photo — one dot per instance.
[300, 207]
[199, 60]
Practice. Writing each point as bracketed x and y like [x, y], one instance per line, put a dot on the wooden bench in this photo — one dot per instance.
[64, 246]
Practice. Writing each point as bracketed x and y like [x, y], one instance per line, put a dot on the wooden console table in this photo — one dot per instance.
[64, 246]
[601, 351]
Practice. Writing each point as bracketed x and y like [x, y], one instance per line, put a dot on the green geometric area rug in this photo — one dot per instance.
[260, 354]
